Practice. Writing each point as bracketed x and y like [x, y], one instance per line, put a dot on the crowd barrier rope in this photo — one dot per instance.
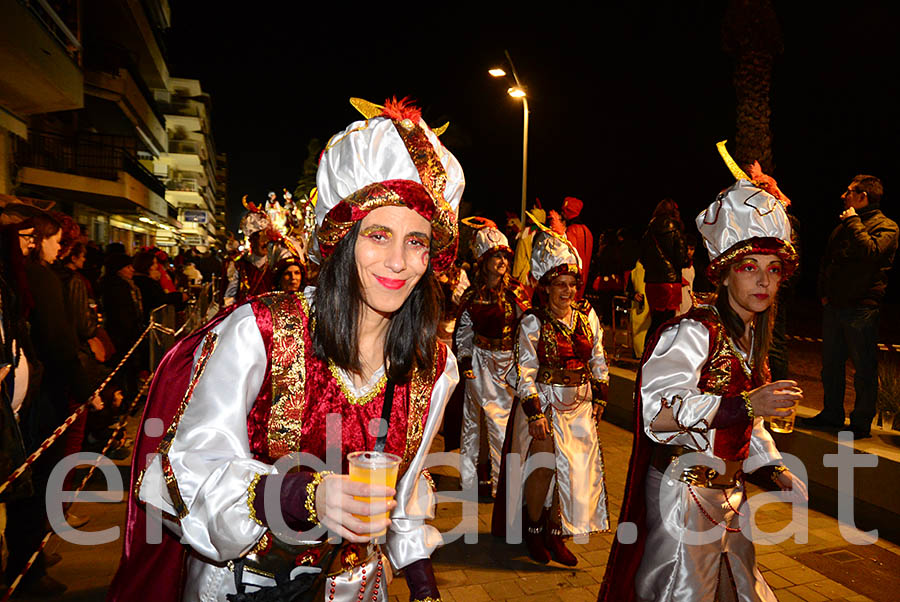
[198, 312]
[194, 318]
[117, 428]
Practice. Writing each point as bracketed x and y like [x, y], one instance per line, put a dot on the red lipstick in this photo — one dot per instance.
[390, 283]
[761, 297]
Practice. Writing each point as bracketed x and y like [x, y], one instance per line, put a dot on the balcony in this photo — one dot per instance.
[41, 58]
[83, 168]
[110, 73]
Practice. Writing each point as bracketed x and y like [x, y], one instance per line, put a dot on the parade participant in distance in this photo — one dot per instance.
[349, 366]
[702, 388]
[251, 273]
[289, 275]
[485, 337]
[562, 384]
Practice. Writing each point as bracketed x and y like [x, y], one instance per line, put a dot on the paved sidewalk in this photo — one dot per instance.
[825, 568]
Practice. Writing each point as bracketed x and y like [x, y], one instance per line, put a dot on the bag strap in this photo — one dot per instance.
[385, 416]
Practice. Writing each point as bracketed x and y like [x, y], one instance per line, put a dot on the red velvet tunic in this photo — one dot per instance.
[299, 391]
[562, 349]
[493, 313]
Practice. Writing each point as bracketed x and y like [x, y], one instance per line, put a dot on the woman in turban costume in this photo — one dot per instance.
[324, 372]
[702, 389]
[562, 386]
[485, 336]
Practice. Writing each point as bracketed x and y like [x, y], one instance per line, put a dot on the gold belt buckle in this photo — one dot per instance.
[700, 476]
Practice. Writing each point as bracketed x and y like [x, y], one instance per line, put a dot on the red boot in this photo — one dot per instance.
[554, 544]
[534, 538]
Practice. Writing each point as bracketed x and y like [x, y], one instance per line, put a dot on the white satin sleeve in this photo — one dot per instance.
[527, 362]
[598, 365]
[210, 452]
[762, 444]
[409, 538]
[671, 376]
[465, 335]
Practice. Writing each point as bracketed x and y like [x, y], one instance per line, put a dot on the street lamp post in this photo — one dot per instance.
[518, 91]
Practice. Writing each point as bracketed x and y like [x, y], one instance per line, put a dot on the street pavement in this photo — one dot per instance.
[824, 568]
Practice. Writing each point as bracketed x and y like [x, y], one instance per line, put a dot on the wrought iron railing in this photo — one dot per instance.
[83, 156]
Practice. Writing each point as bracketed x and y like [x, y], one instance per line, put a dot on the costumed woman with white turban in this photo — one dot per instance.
[324, 372]
[562, 384]
[485, 337]
[702, 390]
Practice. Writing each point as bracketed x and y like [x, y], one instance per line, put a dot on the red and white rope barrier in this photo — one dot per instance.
[119, 426]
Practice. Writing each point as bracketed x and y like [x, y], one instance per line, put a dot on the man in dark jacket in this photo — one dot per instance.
[663, 255]
[852, 281]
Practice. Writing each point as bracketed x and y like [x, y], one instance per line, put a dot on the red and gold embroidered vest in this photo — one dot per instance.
[725, 374]
[300, 390]
[561, 347]
[494, 313]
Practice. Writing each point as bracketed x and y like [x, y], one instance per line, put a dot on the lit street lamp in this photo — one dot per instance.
[518, 91]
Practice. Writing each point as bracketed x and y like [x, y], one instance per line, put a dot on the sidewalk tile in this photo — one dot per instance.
[786, 596]
[831, 589]
[470, 593]
[504, 590]
[775, 561]
[534, 584]
[581, 578]
[774, 581]
[800, 574]
[806, 593]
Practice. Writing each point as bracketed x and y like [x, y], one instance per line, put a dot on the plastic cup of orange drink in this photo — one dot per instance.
[373, 468]
[783, 424]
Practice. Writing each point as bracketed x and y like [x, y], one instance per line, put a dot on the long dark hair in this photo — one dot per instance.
[734, 326]
[410, 339]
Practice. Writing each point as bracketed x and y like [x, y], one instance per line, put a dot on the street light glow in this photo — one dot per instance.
[497, 72]
[516, 92]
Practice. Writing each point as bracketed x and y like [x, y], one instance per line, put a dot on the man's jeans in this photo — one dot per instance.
[850, 331]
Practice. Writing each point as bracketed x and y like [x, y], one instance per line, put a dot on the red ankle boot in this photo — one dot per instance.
[554, 544]
[534, 539]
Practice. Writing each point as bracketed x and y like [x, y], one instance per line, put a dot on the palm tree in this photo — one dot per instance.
[752, 35]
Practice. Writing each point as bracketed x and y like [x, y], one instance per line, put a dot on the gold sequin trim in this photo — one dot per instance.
[777, 470]
[535, 418]
[251, 499]
[352, 399]
[262, 545]
[747, 404]
[181, 509]
[420, 387]
[310, 503]
[288, 370]
[428, 599]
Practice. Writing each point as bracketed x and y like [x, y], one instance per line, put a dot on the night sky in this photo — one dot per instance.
[626, 104]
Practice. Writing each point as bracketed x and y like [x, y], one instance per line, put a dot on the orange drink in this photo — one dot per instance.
[783, 424]
[373, 468]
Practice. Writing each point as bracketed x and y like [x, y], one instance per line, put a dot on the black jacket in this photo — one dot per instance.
[153, 295]
[858, 257]
[663, 251]
[78, 302]
[123, 314]
[54, 339]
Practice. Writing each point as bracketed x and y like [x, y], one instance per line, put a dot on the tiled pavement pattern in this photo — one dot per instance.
[492, 570]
